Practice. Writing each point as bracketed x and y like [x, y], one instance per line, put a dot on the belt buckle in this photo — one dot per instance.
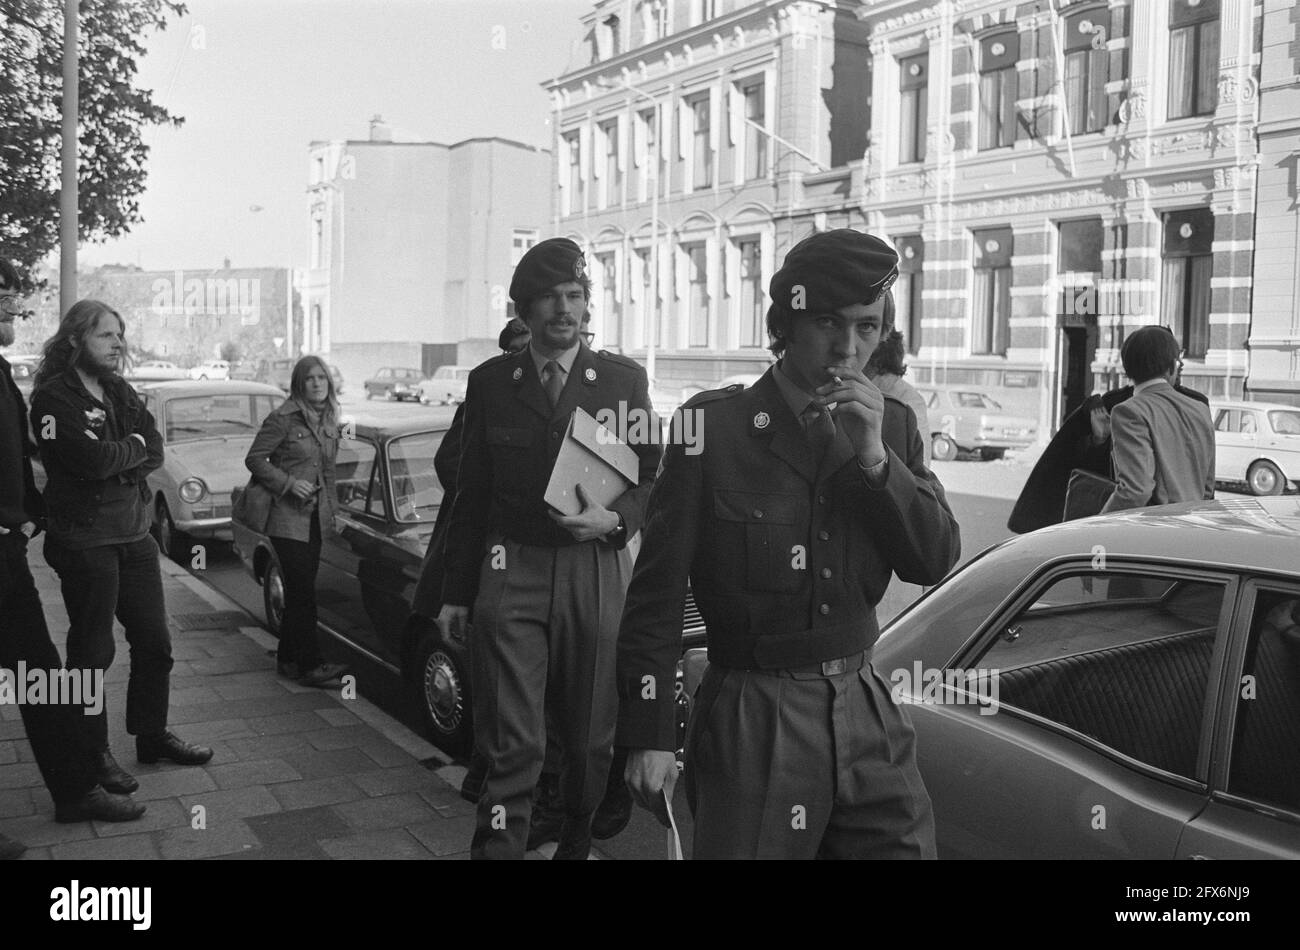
[834, 667]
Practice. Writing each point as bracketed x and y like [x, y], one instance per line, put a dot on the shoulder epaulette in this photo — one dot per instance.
[619, 358]
[712, 395]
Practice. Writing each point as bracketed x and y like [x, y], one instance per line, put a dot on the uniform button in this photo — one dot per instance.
[823, 536]
[758, 512]
[555, 435]
[821, 499]
[826, 573]
[824, 609]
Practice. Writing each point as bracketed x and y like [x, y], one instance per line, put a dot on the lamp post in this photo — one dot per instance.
[652, 336]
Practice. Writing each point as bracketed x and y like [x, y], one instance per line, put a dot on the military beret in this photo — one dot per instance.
[834, 269]
[550, 262]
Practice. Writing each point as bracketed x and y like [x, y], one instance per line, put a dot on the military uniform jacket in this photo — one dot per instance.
[509, 446]
[787, 560]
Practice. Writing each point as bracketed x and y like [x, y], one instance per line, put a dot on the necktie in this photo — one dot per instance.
[552, 381]
[820, 429]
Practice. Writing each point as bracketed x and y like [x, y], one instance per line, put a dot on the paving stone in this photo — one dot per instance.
[207, 730]
[263, 772]
[193, 695]
[160, 814]
[173, 782]
[228, 837]
[390, 845]
[20, 775]
[181, 650]
[8, 752]
[12, 728]
[342, 737]
[296, 833]
[447, 802]
[246, 690]
[234, 644]
[41, 829]
[321, 764]
[16, 802]
[285, 722]
[387, 755]
[389, 811]
[402, 779]
[137, 847]
[316, 792]
[238, 663]
[268, 747]
[444, 836]
[338, 717]
[233, 803]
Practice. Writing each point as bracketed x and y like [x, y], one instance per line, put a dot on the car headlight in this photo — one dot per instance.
[192, 490]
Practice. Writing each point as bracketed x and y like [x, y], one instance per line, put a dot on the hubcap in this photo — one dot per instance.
[1264, 480]
[443, 696]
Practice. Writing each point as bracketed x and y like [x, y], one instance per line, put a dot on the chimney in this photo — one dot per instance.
[380, 130]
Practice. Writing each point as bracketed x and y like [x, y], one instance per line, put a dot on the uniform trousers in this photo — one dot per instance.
[543, 654]
[800, 765]
[121, 580]
[53, 729]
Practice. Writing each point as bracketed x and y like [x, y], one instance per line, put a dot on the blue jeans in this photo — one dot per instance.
[121, 580]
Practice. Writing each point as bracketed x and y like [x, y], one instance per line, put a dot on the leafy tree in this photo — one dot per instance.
[113, 114]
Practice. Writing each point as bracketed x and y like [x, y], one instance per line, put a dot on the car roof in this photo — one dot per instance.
[379, 428]
[1258, 406]
[1252, 534]
[207, 387]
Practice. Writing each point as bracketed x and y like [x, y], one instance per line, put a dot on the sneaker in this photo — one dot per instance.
[165, 745]
[323, 674]
[98, 805]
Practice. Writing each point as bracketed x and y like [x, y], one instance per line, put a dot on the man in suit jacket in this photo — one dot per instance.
[547, 589]
[1163, 441]
[809, 493]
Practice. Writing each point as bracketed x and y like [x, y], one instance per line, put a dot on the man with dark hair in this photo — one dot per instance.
[547, 589]
[1163, 448]
[54, 729]
[98, 443]
[809, 494]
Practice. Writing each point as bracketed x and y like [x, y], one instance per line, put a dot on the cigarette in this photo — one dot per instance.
[838, 381]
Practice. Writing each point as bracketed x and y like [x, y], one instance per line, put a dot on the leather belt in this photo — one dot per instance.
[835, 667]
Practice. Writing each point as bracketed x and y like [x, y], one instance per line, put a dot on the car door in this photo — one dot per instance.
[1075, 725]
[1254, 810]
[360, 528]
[1233, 449]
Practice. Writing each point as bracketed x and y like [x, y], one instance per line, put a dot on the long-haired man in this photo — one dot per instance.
[98, 443]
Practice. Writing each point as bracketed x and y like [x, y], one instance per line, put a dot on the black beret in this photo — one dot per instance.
[834, 269]
[550, 262]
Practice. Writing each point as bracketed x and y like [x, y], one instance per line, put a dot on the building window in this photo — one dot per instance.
[654, 20]
[1079, 264]
[521, 239]
[1086, 63]
[752, 311]
[573, 153]
[612, 180]
[610, 312]
[646, 303]
[1185, 286]
[697, 304]
[991, 299]
[702, 148]
[1193, 57]
[913, 80]
[755, 138]
[613, 35]
[907, 290]
[998, 89]
[317, 240]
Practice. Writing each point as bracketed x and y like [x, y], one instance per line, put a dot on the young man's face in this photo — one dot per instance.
[555, 316]
[820, 341]
[103, 347]
[11, 304]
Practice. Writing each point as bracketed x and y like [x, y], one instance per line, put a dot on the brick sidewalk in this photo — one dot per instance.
[298, 772]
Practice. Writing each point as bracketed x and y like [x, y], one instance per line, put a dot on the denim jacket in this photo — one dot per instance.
[288, 447]
[97, 491]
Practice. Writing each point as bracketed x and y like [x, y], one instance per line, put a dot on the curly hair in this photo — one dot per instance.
[888, 357]
[64, 349]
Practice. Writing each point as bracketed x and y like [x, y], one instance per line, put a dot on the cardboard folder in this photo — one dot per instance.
[595, 458]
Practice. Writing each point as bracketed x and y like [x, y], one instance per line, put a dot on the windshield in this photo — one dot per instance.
[1285, 422]
[217, 416]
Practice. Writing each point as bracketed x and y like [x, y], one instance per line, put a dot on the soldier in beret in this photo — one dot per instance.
[546, 589]
[810, 492]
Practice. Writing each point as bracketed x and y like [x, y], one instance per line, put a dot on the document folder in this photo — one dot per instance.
[595, 458]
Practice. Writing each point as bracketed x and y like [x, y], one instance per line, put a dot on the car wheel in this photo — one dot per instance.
[273, 596]
[170, 541]
[390, 396]
[992, 455]
[203, 376]
[943, 448]
[441, 681]
[1265, 479]
[369, 393]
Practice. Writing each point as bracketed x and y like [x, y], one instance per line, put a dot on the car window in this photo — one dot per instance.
[354, 479]
[929, 397]
[206, 417]
[412, 374]
[442, 372]
[1122, 658]
[1285, 422]
[264, 405]
[417, 493]
[1266, 743]
[969, 400]
[1229, 421]
[1249, 423]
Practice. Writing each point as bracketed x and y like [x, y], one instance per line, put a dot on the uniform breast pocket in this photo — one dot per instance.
[507, 443]
[773, 528]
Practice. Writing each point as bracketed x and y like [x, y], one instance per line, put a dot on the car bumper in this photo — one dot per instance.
[218, 528]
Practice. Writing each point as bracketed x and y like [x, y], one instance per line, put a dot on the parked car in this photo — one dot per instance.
[394, 383]
[389, 498]
[336, 374]
[212, 369]
[207, 427]
[24, 373]
[153, 370]
[446, 386]
[1257, 443]
[963, 419]
[245, 370]
[1125, 686]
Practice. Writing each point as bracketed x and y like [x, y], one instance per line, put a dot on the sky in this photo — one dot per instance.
[259, 80]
